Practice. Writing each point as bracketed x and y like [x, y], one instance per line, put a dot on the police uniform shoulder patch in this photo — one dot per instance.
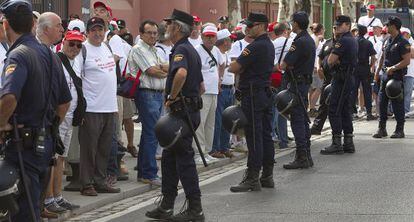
[338, 45]
[10, 69]
[178, 57]
[292, 48]
[245, 52]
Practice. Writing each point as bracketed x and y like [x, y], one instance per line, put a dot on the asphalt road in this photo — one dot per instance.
[374, 184]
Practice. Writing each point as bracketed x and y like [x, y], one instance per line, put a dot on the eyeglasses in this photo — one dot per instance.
[72, 44]
[151, 33]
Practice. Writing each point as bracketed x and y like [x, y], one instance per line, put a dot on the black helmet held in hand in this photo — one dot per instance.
[394, 89]
[9, 188]
[234, 120]
[284, 101]
[169, 129]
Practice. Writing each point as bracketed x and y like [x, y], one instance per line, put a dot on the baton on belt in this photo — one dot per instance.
[341, 96]
[302, 103]
[18, 142]
[187, 114]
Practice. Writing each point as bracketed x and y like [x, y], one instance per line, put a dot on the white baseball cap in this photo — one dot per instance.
[210, 30]
[78, 24]
[405, 30]
[222, 34]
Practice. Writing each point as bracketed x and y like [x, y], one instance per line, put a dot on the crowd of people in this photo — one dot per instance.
[95, 57]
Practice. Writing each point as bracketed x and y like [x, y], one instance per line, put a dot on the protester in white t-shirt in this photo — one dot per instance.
[370, 20]
[96, 132]
[195, 37]
[212, 68]
[221, 142]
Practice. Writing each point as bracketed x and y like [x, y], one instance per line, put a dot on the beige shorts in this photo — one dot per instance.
[65, 131]
[128, 109]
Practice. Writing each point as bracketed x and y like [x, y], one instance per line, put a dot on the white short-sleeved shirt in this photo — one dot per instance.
[123, 62]
[3, 52]
[278, 44]
[209, 69]
[163, 51]
[195, 42]
[99, 79]
[77, 68]
[228, 77]
[365, 20]
[237, 48]
[410, 68]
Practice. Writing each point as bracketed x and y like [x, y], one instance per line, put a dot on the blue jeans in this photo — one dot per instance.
[221, 140]
[408, 91]
[149, 104]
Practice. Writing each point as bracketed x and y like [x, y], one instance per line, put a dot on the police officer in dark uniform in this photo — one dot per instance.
[342, 61]
[394, 62]
[362, 73]
[33, 93]
[254, 67]
[184, 83]
[320, 119]
[299, 63]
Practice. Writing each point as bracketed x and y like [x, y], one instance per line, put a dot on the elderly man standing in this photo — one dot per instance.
[97, 129]
[212, 68]
[49, 31]
[149, 98]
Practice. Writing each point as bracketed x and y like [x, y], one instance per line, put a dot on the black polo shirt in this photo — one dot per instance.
[365, 51]
[257, 62]
[394, 50]
[301, 55]
[183, 55]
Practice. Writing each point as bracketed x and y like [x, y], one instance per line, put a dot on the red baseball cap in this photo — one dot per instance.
[271, 26]
[371, 7]
[74, 36]
[101, 4]
[196, 18]
[210, 31]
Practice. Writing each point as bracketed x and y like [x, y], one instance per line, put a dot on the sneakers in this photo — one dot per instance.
[209, 159]
[53, 207]
[228, 154]
[154, 182]
[67, 205]
[111, 180]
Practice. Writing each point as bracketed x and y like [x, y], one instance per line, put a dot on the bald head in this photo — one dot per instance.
[49, 28]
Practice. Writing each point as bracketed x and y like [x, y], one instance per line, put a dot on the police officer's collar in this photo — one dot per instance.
[179, 42]
[392, 40]
[300, 34]
[263, 36]
[20, 40]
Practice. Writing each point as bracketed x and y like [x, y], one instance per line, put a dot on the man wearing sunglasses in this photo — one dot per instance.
[254, 67]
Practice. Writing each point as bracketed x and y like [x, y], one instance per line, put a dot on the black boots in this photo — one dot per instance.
[194, 212]
[164, 210]
[250, 182]
[348, 146]
[301, 161]
[335, 147]
[266, 180]
[381, 132]
[399, 131]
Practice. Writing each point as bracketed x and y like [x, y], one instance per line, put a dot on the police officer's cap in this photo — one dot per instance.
[342, 19]
[10, 7]
[182, 17]
[394, 20]
[255, 17]
[93, 22]
[362, 29]
[301, 17]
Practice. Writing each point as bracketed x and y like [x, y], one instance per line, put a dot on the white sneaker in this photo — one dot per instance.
[210, 158]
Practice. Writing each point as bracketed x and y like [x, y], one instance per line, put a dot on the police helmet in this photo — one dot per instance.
[327, 93]
[284, 101]
[9, 187]
[394, 89]
[234, 120]
[169, 129]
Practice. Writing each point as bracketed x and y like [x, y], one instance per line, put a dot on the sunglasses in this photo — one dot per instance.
[251, 25]
[72, 44]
